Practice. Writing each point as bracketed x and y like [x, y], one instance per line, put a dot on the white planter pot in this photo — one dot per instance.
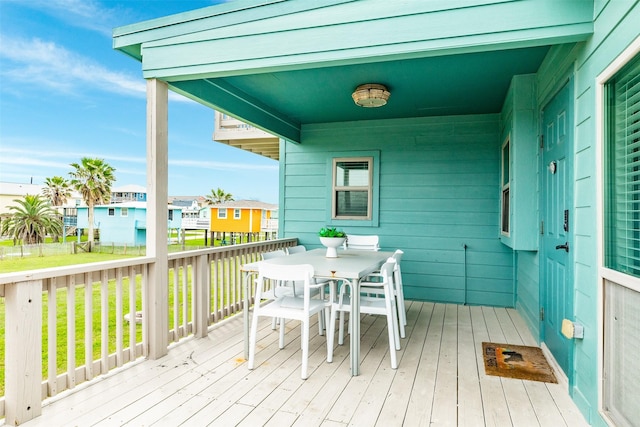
[332, 244]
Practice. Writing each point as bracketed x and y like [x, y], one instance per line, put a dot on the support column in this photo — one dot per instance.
[157, 304]
[23, 392]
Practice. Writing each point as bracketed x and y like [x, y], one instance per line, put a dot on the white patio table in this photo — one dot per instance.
[350, 265]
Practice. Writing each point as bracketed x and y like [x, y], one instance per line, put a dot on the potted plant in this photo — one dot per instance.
[331, 238]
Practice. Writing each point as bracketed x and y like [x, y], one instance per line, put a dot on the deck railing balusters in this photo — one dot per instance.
[207, 287]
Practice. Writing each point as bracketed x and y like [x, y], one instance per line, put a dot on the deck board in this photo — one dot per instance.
[440, 380]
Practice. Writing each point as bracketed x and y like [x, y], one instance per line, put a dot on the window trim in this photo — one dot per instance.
[505, 191]
[373, 219]
[124, 212]
[222, 213]
[359, 188]
[606, 274]
[110, 211]
[237, 213]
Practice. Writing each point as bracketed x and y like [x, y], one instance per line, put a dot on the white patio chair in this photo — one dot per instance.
[291, 288]
[382, 304]
[370, 242]
[296, 249]
[277, 288]
[287, 307]
[321, 320]
[397, 291]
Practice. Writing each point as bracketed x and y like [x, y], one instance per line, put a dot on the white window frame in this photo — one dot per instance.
[222, 213]
[336, 188]
[124, 212]
[237, 213]
[505, 191]
[606, 274]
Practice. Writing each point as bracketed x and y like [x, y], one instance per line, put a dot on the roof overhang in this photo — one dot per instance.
[279, 65]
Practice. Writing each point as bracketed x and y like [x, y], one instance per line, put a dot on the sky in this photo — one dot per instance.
[66, 94]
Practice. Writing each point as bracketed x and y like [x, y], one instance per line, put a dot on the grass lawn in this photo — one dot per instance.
[31, 263]
[34, 263]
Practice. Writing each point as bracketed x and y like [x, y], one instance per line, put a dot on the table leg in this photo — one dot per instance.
[355, 327]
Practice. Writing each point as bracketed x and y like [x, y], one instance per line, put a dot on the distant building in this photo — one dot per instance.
[128, 193]
[190, 205]
[125, 223]
[9, 191]
[244, 216]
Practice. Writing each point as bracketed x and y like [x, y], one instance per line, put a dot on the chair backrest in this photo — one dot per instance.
[296, 249]
[387, 269]
[286, 272]
[273, 254]
[370, 242]
[397, 256]
[397, 275]
[300, 273]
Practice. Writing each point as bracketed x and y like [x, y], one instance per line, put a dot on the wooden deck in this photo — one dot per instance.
[440, 381]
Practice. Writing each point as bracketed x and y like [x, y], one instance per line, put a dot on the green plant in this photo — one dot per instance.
[331, 232]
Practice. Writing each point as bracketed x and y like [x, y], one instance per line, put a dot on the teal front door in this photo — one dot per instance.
[557, 218]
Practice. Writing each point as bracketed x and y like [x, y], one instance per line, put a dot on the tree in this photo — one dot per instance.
[218, 196]
[31, 220]
[57, 191]
[92, 178]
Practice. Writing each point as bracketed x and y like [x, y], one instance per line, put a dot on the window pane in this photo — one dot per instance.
[349, 174]
[505, 163]
[622, 186]
[352, 203]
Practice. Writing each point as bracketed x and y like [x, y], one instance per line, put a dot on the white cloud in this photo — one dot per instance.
[221, 165]
[88, 14]
[25, 157]
[46, 64]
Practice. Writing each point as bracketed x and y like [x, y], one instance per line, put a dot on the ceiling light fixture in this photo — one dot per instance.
[371, 95]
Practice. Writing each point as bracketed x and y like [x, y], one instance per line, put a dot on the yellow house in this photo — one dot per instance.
[244, 216]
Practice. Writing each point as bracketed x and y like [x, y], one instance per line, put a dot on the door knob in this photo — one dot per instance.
[565, 246]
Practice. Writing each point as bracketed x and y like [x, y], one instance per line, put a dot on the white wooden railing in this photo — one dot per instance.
[85, 310]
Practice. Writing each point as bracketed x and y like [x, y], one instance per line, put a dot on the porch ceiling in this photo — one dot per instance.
[473, 83]
[281, 65]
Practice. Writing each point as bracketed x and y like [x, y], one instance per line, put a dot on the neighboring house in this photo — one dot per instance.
[125, 223]
[9, 191]
[502, 158]
[128, 193]
[190, 206]
[243, 216]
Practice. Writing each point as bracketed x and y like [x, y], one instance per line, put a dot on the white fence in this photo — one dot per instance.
[86, 307]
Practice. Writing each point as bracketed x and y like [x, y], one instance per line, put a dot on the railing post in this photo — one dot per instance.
[202, 290]
[23, 358]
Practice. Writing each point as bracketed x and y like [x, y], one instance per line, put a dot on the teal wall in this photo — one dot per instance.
[615, 27]
[438, 192]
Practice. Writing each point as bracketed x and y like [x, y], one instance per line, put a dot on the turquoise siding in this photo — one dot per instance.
[615, 26]
[528, 285]
[129, 230]
[438, 192]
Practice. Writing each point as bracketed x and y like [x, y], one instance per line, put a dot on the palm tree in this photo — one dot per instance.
[218, 196]
[93, 179]
[57, 190]
[31, 220]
